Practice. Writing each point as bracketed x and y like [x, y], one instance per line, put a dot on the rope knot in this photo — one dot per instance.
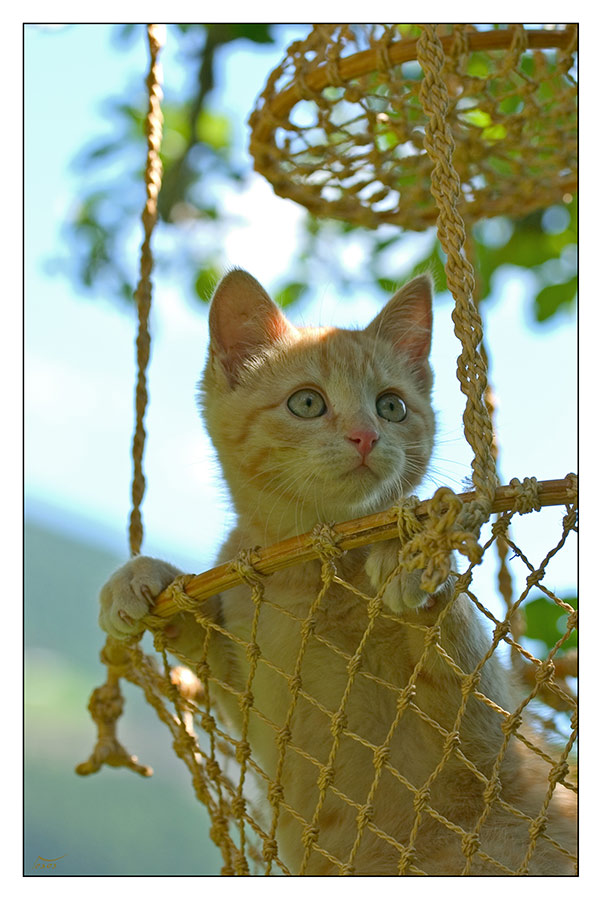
[526, 495]
[117, 655]
[432, 636]
[569, 520]
[429, 546]
[406, 695]
[214, 771]
[470, 683]
[534, 577]
[492, 791]
[325, 541]
[421, 798]
[408, 524]
[381, 757]
[208, 723]
[295, 683]
[365, 816]
[270, 848]
[545, 672]
[275, 794]
[176, 591]
[499, 528]
[253, 652]
[501, 630]
[310, 835]
[243, 752]
[511, 724]
[558, 772]
[339, 722]
[283, 737]
[354, 665]
[406, 859]
[470, 844]
[243, 565]
[239, 807]
[572, 621]
[374, 607]
[452, 742]
[326, 777]
[538, 827]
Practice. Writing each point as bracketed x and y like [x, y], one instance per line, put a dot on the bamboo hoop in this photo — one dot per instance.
[404, 51]
[354, 533]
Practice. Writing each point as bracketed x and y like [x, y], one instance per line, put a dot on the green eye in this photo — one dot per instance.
[306, 404]
[391, 407]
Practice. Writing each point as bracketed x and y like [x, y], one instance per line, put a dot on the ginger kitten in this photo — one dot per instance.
[319, 425]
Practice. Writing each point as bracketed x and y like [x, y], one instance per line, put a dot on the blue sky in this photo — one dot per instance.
[80, 354]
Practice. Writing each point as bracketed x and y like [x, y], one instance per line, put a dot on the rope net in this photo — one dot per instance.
[455, 802]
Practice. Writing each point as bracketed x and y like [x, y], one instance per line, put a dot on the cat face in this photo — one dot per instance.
[317, 424]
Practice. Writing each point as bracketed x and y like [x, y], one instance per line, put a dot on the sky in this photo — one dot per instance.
[79, 376]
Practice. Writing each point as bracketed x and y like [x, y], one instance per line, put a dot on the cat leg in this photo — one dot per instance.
[130, 592]
[404, 591]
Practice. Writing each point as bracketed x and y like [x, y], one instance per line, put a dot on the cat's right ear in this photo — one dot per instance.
[407, 320]
[243, 321]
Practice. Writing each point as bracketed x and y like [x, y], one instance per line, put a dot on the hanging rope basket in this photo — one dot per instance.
[340, 126]
[414, 126]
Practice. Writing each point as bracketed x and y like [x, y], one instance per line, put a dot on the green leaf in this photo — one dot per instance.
[103, 150]
[553, 296]
[214, 129]
[477, 117]
[388, 286]
[205, 282]
[495, 133]
[510, 105]
[290, 293]
[527, 64]
[546, 621]
[479, 65]
[258, 32]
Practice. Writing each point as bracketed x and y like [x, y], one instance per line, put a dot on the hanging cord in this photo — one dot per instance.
[142, 295]
[446, 189]
[106, 703]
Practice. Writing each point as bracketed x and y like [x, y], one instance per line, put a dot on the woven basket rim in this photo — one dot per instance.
[398, 52]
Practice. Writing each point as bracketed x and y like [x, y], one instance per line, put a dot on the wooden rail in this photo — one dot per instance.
[355, 533]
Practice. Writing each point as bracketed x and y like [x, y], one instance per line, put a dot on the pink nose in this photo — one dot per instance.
[364, 439]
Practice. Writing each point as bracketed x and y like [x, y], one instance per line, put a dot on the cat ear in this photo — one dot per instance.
[407, 319]
[243, 320]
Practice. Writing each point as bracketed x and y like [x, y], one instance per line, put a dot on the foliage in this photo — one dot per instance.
[545, 621]
[200, 160]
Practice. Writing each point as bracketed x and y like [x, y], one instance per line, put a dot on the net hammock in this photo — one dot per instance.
[412, 125]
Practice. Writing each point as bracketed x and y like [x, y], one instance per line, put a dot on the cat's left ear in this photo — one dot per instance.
[407, 319]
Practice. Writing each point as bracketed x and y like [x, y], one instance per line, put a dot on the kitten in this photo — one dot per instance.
[324, 424]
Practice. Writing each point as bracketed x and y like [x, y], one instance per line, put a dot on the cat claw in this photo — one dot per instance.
[125, 618]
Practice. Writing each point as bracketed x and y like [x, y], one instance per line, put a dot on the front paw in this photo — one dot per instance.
[130, 592]
[404, 590]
